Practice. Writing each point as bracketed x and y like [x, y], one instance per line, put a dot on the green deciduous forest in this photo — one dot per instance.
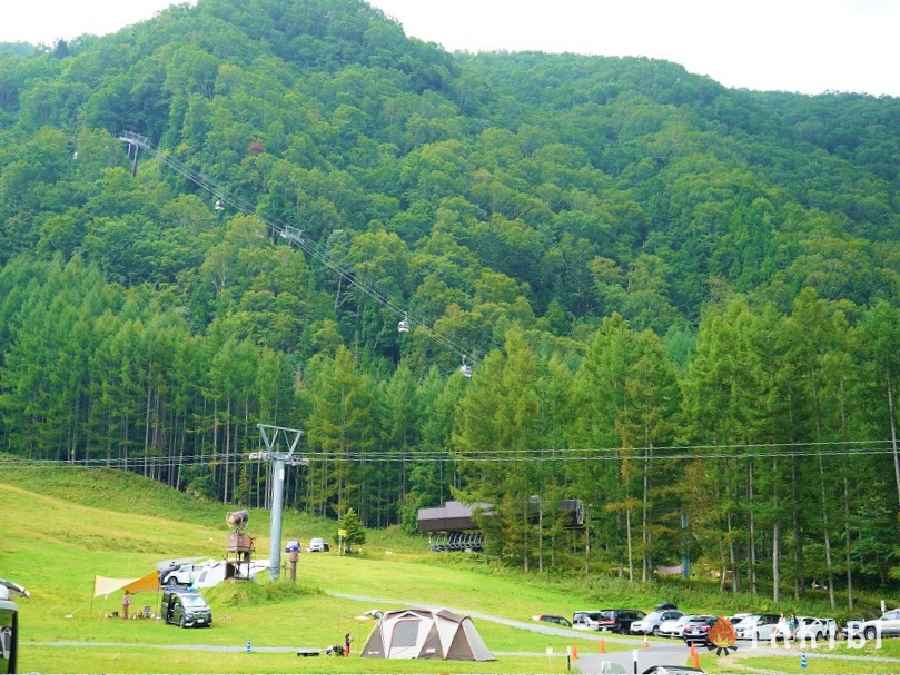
[638, 262]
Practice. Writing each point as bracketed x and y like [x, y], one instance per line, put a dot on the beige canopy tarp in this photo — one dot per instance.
[146, 584]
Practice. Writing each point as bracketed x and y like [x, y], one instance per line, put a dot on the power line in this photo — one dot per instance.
[166, 462]
[539, 452]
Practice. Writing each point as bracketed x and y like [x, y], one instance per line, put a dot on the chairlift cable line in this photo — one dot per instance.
[286, 232]
[280, 229]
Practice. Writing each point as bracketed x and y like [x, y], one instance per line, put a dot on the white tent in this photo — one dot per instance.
[425, 634]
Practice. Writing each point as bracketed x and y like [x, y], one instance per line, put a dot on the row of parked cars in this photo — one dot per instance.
[668, 621]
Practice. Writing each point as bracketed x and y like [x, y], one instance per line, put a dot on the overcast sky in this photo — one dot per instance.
[796, 45]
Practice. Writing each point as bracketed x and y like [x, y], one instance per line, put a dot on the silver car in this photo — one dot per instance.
[317, 545]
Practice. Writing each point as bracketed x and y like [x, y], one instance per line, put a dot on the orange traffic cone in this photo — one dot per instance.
[695, 657]
[645, 643]
[602, 646]
[574, 652]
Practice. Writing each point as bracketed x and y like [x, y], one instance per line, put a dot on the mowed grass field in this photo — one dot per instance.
[65, 527]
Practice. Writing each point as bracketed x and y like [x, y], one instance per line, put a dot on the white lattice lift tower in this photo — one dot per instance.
[280, 444]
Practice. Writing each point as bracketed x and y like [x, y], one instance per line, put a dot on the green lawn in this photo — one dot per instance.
[889, 647]
[791, 664]
[63, 527]
[140, 660]
[56, 547]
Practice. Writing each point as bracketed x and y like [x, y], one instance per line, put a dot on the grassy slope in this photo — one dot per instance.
[55, 547]
[130, 493]
[96, 522]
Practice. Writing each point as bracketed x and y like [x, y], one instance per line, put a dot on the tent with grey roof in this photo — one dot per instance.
[426, 634]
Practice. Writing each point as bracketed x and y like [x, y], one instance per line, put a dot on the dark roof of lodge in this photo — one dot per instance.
[450, 516]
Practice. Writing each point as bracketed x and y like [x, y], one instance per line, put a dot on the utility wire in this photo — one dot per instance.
[774, 449]
[165, 462]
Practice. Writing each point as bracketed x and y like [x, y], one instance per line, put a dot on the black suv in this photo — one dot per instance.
[185, 609]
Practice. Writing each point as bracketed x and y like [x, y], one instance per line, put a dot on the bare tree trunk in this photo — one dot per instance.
[227, 443]
[630, 552]
[847, 534]
[776, 571]
[825, 535]
[752, 533]
[587, 540]
[525, 537]
[541, 534]
[893, 416]
[735, 583]
[147, 427]
[798, 539]
[644, 543]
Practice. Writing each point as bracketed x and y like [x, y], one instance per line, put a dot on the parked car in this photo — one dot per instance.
[651, 623]
[587, 620]
[736, 619]
[178, 574]
[612, 620]
[697, 628]
[185, 609]
[811, 627]
[317, 545]
[759, 626]
[552, 618]
[672, 628]
[888, 624]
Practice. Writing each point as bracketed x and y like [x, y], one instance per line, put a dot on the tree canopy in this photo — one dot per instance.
[633, 257]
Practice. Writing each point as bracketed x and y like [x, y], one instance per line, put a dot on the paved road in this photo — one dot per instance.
[676, 653]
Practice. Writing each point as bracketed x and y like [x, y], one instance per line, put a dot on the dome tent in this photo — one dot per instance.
[426, 634]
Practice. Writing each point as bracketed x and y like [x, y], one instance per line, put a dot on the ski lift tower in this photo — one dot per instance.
[280, 444]
[136, 143]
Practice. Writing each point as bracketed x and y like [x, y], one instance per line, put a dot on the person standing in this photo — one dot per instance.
[126, 603]
[347, 640]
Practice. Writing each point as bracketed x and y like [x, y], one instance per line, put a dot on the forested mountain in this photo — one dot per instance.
[636, 260]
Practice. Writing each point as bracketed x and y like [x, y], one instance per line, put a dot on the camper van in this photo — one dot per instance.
[9, 632]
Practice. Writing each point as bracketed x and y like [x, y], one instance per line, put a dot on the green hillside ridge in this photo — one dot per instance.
[637, 261]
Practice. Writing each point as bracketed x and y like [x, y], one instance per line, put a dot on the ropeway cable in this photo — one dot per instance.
[292, 236]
